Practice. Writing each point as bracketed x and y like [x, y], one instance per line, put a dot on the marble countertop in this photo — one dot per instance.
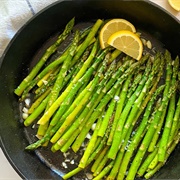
[8, 28]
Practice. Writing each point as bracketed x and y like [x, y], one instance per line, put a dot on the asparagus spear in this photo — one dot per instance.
[160, 164]
[86, 112]
[38, 101]
[94, 101]
[149, 159]
[39, 91]
[148, 137]
[104, 171]
[58, 85]
[36, 112]
[139, 100]
[87, 109]
[154, 162]
[77, 126]
[44, 58]
[114, 55]
[118, 161]
[117, 135]
[79, 53]
[66, 145]
[155, 83]
[134, 86]
[50, 67]
[72, 173]
[139, 133]
[97, 171]
[90, 159]
[167, 82]
[100, 163]
[119, 108]
[69, 93]
[167, 127]
[102, 105]
[108, 114]
[99, 159]
[78, 79]
[175, 122]
[45, 78]
[68, 121]
[42, 128]
[90, 146]
[88, 39]
[84, 59]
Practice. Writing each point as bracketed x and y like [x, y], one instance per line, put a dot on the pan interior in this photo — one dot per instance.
[55, 161]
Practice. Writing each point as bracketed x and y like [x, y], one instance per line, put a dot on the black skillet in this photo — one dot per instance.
[29, 43]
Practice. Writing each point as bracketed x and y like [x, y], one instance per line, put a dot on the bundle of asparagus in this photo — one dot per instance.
[132, 105]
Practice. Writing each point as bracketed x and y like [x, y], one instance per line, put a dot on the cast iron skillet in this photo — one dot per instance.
[28, 42]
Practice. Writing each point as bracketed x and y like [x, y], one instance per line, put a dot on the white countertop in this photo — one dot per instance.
[8, 28]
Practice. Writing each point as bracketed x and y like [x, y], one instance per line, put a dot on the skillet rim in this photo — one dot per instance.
[17, 35]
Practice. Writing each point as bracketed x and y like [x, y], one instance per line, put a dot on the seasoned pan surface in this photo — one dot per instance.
[29, 44]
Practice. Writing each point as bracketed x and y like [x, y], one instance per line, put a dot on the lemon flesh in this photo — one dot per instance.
[127, 42]
[113, 26]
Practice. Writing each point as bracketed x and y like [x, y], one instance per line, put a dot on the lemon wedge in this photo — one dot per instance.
[175, 4]
[111, 27]
[127, 42]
